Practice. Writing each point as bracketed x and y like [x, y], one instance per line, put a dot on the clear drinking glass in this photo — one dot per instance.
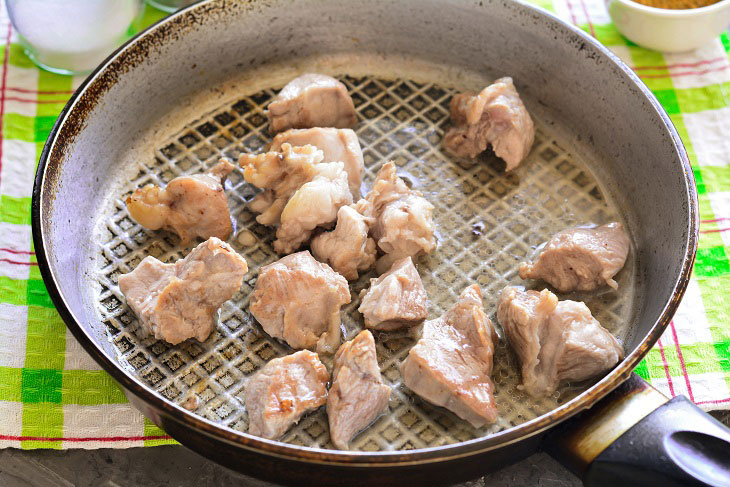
[71, 36]
[170, 5]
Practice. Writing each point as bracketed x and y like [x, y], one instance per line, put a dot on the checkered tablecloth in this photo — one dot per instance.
[52, 395]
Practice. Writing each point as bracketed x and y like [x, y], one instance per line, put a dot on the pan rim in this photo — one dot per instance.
[348, 458]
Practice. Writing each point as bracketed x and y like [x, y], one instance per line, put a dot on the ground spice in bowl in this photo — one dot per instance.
[676, 4]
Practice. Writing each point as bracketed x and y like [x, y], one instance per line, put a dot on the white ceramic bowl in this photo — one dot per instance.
[669, 30]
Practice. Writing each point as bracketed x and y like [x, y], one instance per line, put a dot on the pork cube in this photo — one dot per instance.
[581, 259]
[451, 365]
[285, 389]
[347, 249]
[190, 206]
[403, 218]
[311, 100]
[280, 174]
[178, 301]
[554, 340]
[337, 145]
[314, 204]
[298, 300]
[495, 116]
[396, 299]
[300, 192]
[358, 394]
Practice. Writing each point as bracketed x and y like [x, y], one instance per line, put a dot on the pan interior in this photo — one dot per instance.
[487, 223]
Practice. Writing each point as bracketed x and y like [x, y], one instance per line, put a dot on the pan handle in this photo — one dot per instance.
[636, 436]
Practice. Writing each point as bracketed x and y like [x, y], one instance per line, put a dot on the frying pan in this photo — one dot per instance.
[193, 88]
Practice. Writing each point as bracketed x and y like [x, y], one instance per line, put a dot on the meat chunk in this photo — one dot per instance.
[554, 340]
[315, 204]
[358, 394]
[403, 222]
[300, 192]
[581, 259]
[191, 206]
[178, 301]
[396, 299]
[495, 116]
[451, 365]
[311, 100]
[298, 300]
[286, 388]
[279, 173]
[347, 248]
[337, 145]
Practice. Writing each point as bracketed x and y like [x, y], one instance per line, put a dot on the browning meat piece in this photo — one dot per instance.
[298, 300]
[347, 248]
[191, 206]
[403, 222]
[311, 100]
[315, 204]
[358, 394]
[337, 145]
[396, 299]
[581, 259]
[286, 388]
[178, 301]
[451, 364]
[279, 173]
[300, 192]
[554, 340]
[495, 116]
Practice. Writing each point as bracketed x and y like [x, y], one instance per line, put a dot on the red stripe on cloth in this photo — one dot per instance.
[573, 18]
[40, 92]
[2, 91]
[714, 401]
[714, 220]
[588, 18]
[681, 360]
[79, 440]
[666, 367]
[685, 73]
[17, 252]
[714, 230]
[681, 65]
[18, 263]
[27, 100]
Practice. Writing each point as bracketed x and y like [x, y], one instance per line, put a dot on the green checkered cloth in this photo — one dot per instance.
[52, 395]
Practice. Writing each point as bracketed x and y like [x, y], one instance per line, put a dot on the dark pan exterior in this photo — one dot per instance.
[567, 78]
[324, 471]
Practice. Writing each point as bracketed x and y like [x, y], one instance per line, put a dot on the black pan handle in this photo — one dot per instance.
[636, 437]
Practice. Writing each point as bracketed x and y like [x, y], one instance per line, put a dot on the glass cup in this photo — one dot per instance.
[170, 5]
[71, 36]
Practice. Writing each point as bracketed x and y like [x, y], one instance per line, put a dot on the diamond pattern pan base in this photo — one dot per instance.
[487, 223]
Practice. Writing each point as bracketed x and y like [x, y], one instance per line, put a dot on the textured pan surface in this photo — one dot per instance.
[487, 223]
